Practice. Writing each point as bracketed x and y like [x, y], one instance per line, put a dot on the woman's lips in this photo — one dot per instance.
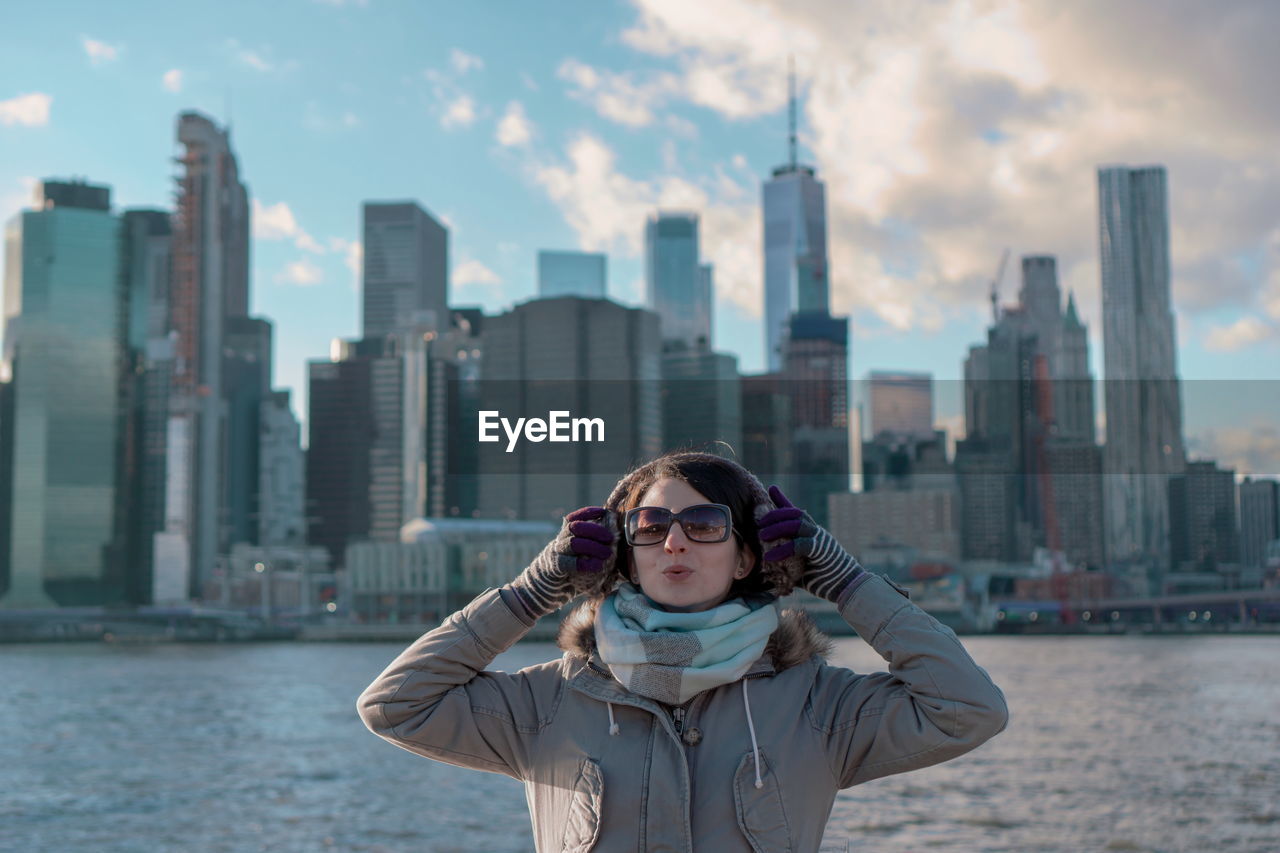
[677, 573]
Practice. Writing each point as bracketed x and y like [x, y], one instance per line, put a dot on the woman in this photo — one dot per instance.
[687, 712]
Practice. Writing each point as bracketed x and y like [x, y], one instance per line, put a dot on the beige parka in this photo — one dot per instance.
[606, 769]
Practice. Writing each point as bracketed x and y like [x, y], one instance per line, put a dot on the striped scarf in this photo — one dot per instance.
[672, 657]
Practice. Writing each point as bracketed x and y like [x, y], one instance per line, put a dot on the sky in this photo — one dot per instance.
[945, 132]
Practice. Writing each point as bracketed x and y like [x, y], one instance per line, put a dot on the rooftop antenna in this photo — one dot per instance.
[791, 108]
[995, 287]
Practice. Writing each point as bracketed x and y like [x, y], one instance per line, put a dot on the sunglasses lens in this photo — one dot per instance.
[648, 525]
[705, 523]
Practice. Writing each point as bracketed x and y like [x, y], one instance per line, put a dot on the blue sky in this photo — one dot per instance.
[946, 132]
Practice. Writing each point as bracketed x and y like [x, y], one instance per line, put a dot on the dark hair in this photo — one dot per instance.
[721, 482]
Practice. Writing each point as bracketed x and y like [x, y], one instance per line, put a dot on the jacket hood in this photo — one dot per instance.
[782, 575]
[794, 641]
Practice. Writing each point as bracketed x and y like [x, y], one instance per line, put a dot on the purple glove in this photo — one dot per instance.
[582, 545]
[828, 568]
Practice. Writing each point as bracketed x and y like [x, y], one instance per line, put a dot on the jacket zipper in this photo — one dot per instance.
[677, 717]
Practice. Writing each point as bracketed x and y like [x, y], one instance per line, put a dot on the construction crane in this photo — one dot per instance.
[995, 287]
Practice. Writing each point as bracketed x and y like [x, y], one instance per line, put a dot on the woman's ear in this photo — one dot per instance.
[746, 562]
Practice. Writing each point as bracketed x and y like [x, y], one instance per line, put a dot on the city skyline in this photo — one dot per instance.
[622, 113]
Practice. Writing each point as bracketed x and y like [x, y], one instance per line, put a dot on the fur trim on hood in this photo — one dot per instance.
[794, 641]
[782, 575]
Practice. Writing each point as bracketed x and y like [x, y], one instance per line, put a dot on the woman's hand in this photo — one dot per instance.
[585, 541]
[828, 568]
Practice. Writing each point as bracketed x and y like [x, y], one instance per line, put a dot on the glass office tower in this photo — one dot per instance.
[63, 350]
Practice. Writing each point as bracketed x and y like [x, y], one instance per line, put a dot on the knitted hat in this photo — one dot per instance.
[781, 575]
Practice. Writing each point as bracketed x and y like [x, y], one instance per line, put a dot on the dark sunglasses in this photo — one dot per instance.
[649, 525]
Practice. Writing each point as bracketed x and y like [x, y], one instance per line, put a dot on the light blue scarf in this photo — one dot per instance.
[672, 657]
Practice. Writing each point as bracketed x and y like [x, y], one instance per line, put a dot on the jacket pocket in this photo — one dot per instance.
[582, 827]
[760, 813]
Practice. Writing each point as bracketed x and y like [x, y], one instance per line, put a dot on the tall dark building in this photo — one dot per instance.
[406, 268]
[247, 379]
[145, 269]
[1029, 395]
[1259, 520]
[592, 358]
[1202, 518]
[1003, 428]
[816, 354]
[767, 446]
[341, 425]
[701, 401]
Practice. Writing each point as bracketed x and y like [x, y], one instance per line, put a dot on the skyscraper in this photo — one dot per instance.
[145, 265]
[281, 472]
[64, 316]
[816, 355]
[1142, 395]
[676, 286]
[1073, 383]
[1041, 303]
[796, 273]
[571, 274]
[406, 268]
[340, 433]
[592, 358]
[209, 284]
[901, 403]
[247, 380]
[1202, 514]
[1259, 519]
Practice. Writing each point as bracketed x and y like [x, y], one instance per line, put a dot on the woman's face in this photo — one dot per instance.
[681, 574]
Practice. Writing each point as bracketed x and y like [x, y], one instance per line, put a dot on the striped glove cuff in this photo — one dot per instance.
[584, 544]
[546, 583]
[829, 568]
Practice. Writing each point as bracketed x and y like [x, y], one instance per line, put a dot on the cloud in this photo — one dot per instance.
[474, 272]
[607, 210]
[514, 129]
[463, 62]
[30, 110]
[172, 80]
[963, 128]
[259, 59]
[277, 222]
[1252, 450]
[460, 113]
[352, 252]
[99, 52]
[317, 119]
[455, 107]
[17, 198]
[622, 98]
[1242, 333]
[302, 273]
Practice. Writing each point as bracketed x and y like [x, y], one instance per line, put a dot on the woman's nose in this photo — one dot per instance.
[676, 541]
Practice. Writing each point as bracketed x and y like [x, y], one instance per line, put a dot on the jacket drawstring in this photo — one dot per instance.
[751, 727]
[613, 726]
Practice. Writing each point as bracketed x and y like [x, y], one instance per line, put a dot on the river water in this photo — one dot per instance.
[1114, 744]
